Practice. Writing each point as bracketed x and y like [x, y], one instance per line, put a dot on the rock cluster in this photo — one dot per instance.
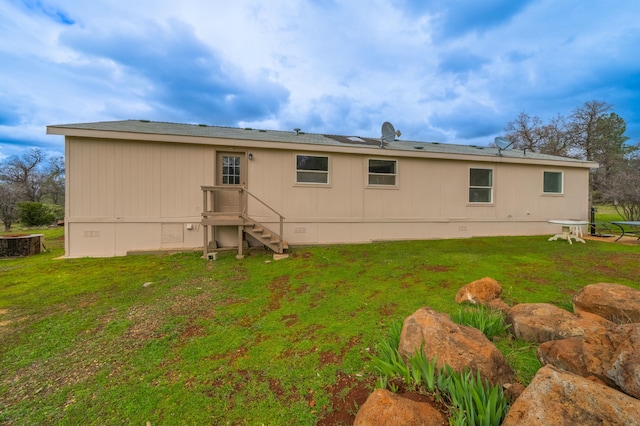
[591, 358]
[555, 397]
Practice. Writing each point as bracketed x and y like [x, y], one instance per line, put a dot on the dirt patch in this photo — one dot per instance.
[193, 330]
[388, 309]
[301, 255]
[280, 289]
[7, 322]
[345, 405]
[290, 320]
[438, 268]
[626, 240]
[329, 357]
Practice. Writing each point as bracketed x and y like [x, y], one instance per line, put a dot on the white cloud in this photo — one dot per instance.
[454, 71]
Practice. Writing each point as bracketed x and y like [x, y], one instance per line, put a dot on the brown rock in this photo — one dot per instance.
[566, 354]
[384, 408]
[541, 322]
[513, 390]
[592, 354]
[625, 369]
[615, 302]
[458, 346]
[596, 380]
[555, 397]
[479, 291]
[595, 318]
[499, 305]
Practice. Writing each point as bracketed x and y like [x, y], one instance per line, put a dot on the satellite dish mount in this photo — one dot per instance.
[389, 133]
[503, 144]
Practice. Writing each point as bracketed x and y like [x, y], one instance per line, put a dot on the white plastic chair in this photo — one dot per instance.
[576, 231]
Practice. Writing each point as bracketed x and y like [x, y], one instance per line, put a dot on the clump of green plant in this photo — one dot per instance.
[418, 372]
[489, 321]
[472, 400]
[388, 361]
[522, 358]
[424, 371]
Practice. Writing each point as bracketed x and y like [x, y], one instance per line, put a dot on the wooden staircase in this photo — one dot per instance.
[265, 236]
[246, 225]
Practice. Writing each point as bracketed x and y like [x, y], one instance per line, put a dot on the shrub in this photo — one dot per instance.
[56, 210]
[35, 214]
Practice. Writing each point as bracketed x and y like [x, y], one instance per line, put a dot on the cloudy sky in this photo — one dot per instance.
[452, 71]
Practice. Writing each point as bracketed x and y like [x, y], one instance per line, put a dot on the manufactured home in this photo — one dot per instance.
[138, 185]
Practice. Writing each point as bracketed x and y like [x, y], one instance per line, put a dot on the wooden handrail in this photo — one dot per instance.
[281, 233]
[263, 203]
[243, 205]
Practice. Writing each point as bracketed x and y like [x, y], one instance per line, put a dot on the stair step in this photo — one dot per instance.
[265, 236]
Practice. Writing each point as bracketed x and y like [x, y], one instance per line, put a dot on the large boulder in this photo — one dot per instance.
[541, 322]
[458, 346]
[556, 397]
[615, 302]
[384, 408]
[625, 368]
[592, 354]
[480, 291]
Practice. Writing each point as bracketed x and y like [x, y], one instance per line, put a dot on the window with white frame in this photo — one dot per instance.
[552, 183]
[382, 172]
[312, 169]
[480, 185]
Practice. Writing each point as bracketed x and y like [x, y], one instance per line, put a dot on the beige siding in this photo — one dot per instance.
[134, 195]
[138, 179]
[430, 200]
[122, 192]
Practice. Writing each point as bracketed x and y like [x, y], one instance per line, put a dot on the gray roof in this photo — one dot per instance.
[207, 131]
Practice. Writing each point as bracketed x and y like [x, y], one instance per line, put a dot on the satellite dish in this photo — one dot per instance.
[502, 143]
[388, 133]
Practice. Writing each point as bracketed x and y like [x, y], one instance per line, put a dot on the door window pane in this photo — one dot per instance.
[230, 170]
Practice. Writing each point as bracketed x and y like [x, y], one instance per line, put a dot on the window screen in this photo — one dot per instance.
[312, 169]
[552, 183]
[480, 185]
[382, 172]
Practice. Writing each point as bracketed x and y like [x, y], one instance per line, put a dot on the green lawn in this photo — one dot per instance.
[607, 213]
[176, 339]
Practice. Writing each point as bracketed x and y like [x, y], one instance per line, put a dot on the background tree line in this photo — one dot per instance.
[591, 132]
[32, 189]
